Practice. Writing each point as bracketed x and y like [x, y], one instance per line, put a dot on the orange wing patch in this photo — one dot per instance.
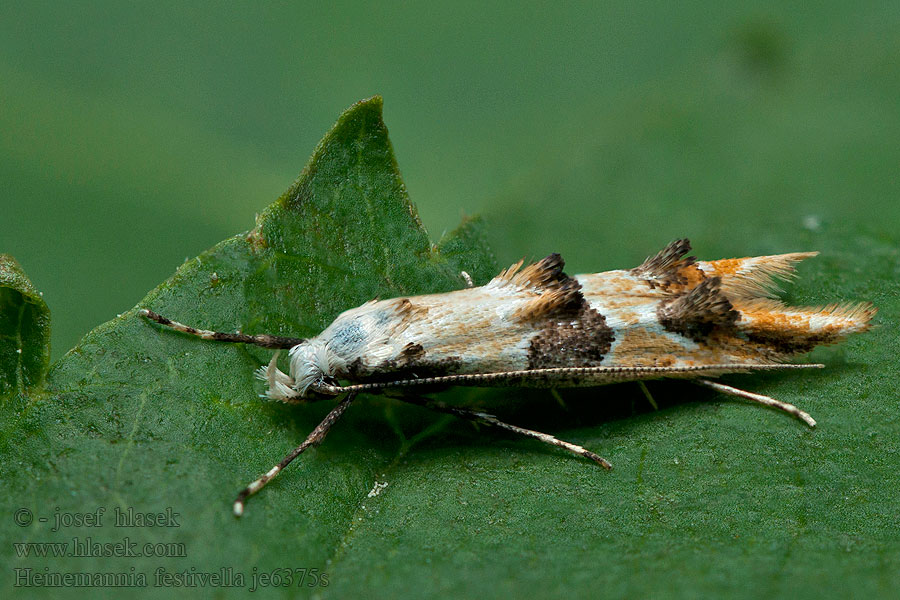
[644, 348]
[792, 330]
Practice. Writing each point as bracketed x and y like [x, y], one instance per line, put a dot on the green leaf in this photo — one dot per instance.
[709, 496]
[139, 416]
[24, 330]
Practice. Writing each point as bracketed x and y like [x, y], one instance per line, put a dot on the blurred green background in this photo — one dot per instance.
[134, 135]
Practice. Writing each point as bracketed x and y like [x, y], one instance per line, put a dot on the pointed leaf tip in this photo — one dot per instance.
[24, 330]
[358, 133]
[134, 392]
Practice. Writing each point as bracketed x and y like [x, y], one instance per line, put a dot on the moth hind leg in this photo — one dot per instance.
[488, 419]
[264, 340]
[760, 399]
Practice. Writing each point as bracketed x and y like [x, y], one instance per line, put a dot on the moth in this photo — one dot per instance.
[670, 317]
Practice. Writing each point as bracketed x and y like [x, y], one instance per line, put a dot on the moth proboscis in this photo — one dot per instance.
[534, 326]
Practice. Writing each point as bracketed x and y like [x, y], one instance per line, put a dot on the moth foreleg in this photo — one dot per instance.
[264, 340]
[313, 439]
[758, 398]
[488, 419]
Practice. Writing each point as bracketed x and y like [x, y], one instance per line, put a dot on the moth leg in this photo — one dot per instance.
[559, 399]
[264, 340]
[488, 419]
[759, 398]
[313, 439]
[467, 278]
[647, 394]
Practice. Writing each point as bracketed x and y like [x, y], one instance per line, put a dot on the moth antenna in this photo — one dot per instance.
[265, 340]
[587, 376]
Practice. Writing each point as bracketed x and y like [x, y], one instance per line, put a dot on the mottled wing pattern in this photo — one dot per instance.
[525, 318]
[676, 311]
[670, 315]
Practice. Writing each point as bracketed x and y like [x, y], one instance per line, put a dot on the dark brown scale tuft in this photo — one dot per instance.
[664, 269]
[549, 270]
[558, 295]
[546, 273]
[583, 341]
[570, 297]
[698, 312]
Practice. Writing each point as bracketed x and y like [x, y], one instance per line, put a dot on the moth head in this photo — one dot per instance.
[312, 363]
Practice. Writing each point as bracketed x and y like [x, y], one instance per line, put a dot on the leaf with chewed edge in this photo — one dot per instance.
[139, 416]
[24, 330]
